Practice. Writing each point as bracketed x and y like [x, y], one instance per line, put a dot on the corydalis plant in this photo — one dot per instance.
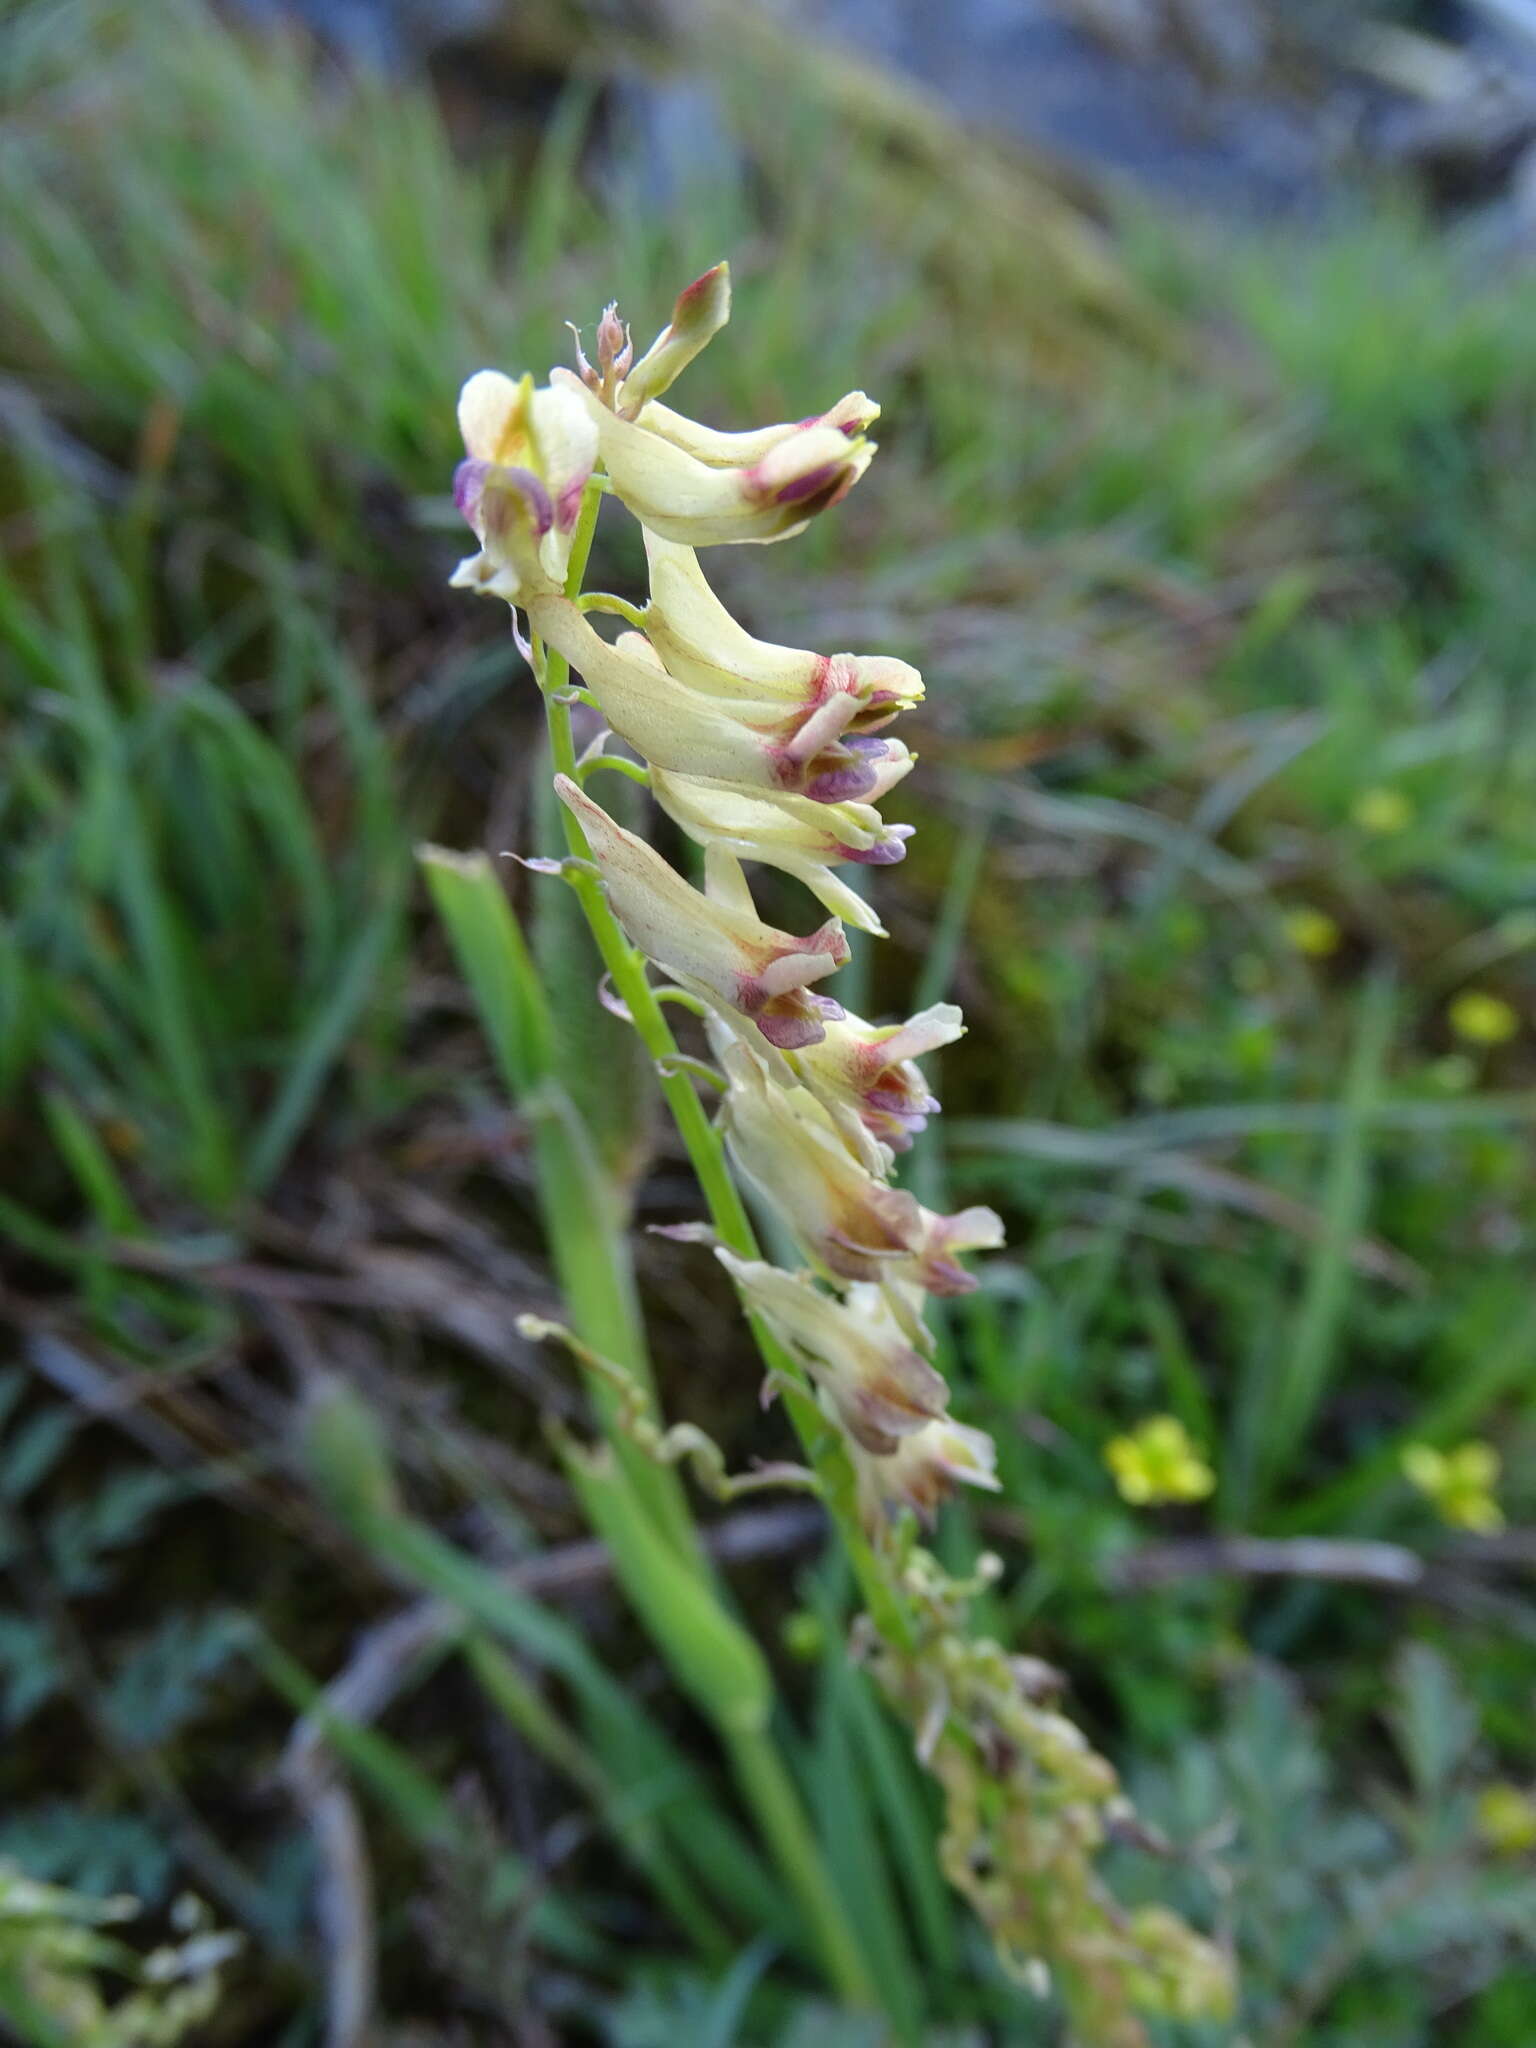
[782, 757]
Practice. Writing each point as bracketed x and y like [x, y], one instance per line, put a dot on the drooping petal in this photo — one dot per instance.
[845, 1218]
[924, 1468]
[793, 833]
[720, 950]
[865, 1074]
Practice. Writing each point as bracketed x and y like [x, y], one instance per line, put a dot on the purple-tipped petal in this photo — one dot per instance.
[884, 853]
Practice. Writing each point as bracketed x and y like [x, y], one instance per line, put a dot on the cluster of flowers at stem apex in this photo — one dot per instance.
[776, 756]
[761, 754]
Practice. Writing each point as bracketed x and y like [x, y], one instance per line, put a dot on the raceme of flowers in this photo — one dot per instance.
[767, 755]
[762, 754]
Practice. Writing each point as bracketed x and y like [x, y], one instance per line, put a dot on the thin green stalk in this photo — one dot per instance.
[760, 1772]
[627, 970]
[771, 1792]
[520, 1703]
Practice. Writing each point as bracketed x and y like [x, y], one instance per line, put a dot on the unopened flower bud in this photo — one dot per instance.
[698, 314]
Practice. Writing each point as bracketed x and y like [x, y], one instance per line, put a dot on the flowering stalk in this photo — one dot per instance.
[780, 757]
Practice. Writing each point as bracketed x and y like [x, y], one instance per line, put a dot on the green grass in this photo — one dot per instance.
[1197, 544]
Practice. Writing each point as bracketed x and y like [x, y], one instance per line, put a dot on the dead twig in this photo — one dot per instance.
[1448, 1579]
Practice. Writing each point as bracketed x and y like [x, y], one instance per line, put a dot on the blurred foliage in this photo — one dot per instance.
[1216, 556]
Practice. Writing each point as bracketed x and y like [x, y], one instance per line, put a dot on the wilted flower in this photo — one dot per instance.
[935, 1265]
[760, 744]
[923, 1469]
[1460, 1484]
[786, 1143]
[1157, 1463]
[878, 1384]
[721, 951]
[866, 1076]
[703, 504]
[528, 456]
[803, 838]
[847, 1219]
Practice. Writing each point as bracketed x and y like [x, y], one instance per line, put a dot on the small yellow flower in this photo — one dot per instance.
[1483, 1019]
[1312, 932]
[1157, 1462]
[1459, 1484]
[1382, 811]
[1506, 1819]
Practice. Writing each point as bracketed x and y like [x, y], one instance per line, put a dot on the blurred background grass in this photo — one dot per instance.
[1213, 539]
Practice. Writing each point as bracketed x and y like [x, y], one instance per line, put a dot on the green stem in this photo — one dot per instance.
[627, 969]
[761, 1775]
[770, 1791]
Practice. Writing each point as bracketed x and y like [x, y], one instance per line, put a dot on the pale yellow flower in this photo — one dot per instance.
[529, 453]
[722, 951]
[706, 648]
[764, 745]
[793, 833]
[1506, 1819]
[1312, 932]
[1382, 811]
[681, 497]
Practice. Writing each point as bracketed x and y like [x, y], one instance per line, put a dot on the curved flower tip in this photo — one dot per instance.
[757, 746]
[853, 415]
[783, 1140]
[703, 646]
[866, 1074]
[923, 1470]
[935, 1264]
[794, 833]
[721, 951]
[878, 1384]
[528, 455]
[685, 499]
